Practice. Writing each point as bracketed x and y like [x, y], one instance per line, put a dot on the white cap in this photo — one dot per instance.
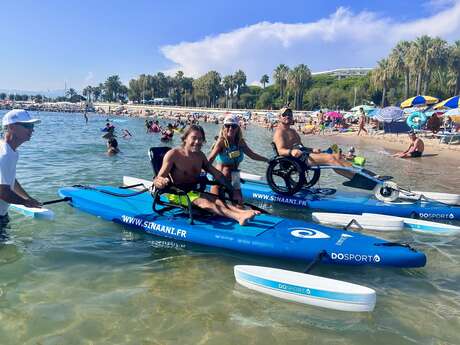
[231, 120]
[17, 115]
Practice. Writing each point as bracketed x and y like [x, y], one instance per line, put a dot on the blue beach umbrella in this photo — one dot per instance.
[452, 103]
[419, 101]
[389, 114]
[372, 113]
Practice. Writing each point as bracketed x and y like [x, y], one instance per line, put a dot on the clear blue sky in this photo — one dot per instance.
[47, 43]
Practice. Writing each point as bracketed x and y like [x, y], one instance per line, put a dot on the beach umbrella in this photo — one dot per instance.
[348, 115]
[452, 112]
[453, 102]
[389, 114]
[419, 101]
[334, 115]
[365, 107]
[372, 113]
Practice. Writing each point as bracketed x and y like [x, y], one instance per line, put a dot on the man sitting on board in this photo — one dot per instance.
[288, 143]
[18, 127]
[415, 149]
[183, 166]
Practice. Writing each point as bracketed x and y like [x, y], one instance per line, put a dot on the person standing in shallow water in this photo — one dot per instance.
[18, 127]
[112, 147]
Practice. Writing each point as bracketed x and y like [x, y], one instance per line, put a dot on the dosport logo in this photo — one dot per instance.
[308, 233]
[436, 215]
[355, 257]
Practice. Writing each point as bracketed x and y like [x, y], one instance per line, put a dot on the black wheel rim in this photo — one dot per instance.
[285, 176]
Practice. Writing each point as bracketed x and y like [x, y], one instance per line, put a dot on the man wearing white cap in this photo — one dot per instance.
[18, 127]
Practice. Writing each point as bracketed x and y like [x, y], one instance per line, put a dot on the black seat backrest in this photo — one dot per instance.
[275, 149]
[156, 155]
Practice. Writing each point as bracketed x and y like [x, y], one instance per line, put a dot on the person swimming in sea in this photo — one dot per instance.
[112, 147]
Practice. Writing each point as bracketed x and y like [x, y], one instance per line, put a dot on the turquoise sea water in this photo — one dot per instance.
[82, 280]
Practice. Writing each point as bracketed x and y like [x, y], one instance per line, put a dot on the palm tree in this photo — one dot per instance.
[435, 58]
[298, 80]
[380, 77]
[264, 80]
[70, 93]
[399, 63]
[240, 81]
[280, 75]
[112, 87]
[454, 66]
[227, 83]
[88, 92]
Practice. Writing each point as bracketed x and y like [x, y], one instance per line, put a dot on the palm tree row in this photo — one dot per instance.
[425, 65]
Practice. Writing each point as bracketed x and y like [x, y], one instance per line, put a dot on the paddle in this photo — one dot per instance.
[36, 212]
[56, 201]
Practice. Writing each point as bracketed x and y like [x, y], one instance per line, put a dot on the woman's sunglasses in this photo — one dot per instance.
[287, 114]
[26, 125]
[231, 126]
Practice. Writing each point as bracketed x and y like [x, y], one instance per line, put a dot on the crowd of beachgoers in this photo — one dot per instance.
[328, 123]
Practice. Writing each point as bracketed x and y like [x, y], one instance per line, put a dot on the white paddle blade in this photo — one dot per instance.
[306, 288]
[445, 198]
[131, 181]
[250, 177]
[370, 221]
[39, 213]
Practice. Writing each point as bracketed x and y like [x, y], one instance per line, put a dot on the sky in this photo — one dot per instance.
[48, 44]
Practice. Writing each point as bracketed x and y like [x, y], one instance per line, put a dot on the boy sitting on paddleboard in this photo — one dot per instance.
[183, 166]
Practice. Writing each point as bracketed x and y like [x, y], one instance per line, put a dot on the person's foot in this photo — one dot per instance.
[246, 216]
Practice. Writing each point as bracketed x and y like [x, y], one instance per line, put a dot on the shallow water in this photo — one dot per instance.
[82, 280]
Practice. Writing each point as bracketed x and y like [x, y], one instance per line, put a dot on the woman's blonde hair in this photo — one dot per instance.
[238, 135]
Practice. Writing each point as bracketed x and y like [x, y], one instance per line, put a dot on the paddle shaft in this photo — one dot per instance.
[56, 201]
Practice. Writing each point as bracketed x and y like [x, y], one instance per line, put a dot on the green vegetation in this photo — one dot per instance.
[426, 66]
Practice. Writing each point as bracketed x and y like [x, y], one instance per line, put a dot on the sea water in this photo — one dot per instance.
[83, 280]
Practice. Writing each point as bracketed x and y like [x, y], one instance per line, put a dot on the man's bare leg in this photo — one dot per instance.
[330, 159]
[217, 206]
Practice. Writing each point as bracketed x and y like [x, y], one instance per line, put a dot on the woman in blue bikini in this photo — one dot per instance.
[228, 152]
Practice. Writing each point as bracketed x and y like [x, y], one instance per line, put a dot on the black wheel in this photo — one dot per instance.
[312, 176]
[285, 175]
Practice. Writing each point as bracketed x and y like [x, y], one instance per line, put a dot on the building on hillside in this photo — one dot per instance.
[341, 73]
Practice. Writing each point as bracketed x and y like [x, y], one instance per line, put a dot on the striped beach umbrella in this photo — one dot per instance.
[419, 101]
[389, 114]
[452, 103]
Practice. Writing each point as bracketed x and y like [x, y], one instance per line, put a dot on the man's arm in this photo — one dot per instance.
[283, 147]
[12, 197]
[20, 191]
[162, 179]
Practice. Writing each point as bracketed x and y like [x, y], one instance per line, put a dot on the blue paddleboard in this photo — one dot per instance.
[351, 203]
[264, 235]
